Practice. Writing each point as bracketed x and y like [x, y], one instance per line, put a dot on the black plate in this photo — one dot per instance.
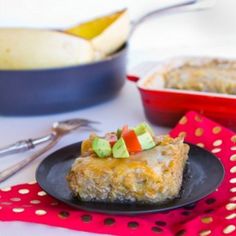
[205, 173]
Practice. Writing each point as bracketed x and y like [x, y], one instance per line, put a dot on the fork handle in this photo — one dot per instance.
[24, 145]
[5, 174]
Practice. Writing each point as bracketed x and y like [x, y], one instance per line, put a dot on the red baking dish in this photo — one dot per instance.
[166, 106]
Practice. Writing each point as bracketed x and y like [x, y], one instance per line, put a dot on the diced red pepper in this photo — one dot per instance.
[131, 141]
[124, 130]
[112, 143]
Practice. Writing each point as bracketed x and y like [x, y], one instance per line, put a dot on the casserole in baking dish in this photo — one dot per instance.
[206, 85]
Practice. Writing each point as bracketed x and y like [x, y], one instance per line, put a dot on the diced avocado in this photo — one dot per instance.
[143, 128]
[118, 133]
[120, 150]
[101, 147]
[146, 141]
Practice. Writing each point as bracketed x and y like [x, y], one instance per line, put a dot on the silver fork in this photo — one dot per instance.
[59, 129]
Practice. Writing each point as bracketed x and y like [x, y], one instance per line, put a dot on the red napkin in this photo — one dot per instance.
[213, 215]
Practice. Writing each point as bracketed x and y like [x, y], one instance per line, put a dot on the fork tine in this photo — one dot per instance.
[88, 121]
[79, 121]
[90, 127]
[94, 122]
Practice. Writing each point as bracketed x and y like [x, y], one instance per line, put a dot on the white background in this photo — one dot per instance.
[211, 32]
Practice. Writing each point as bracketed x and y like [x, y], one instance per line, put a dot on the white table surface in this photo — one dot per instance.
[211, 32]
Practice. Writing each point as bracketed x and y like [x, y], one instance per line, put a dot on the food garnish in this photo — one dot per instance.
[124, 142]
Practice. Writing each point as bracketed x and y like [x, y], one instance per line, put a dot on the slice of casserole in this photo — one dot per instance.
[154, 175]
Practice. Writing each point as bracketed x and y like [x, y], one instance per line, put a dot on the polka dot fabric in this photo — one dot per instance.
[213, 215]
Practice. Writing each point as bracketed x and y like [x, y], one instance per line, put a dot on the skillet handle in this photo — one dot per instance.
[154, 8]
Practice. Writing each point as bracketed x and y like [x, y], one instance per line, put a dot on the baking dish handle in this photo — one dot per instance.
[132, 78]
[141, 70]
